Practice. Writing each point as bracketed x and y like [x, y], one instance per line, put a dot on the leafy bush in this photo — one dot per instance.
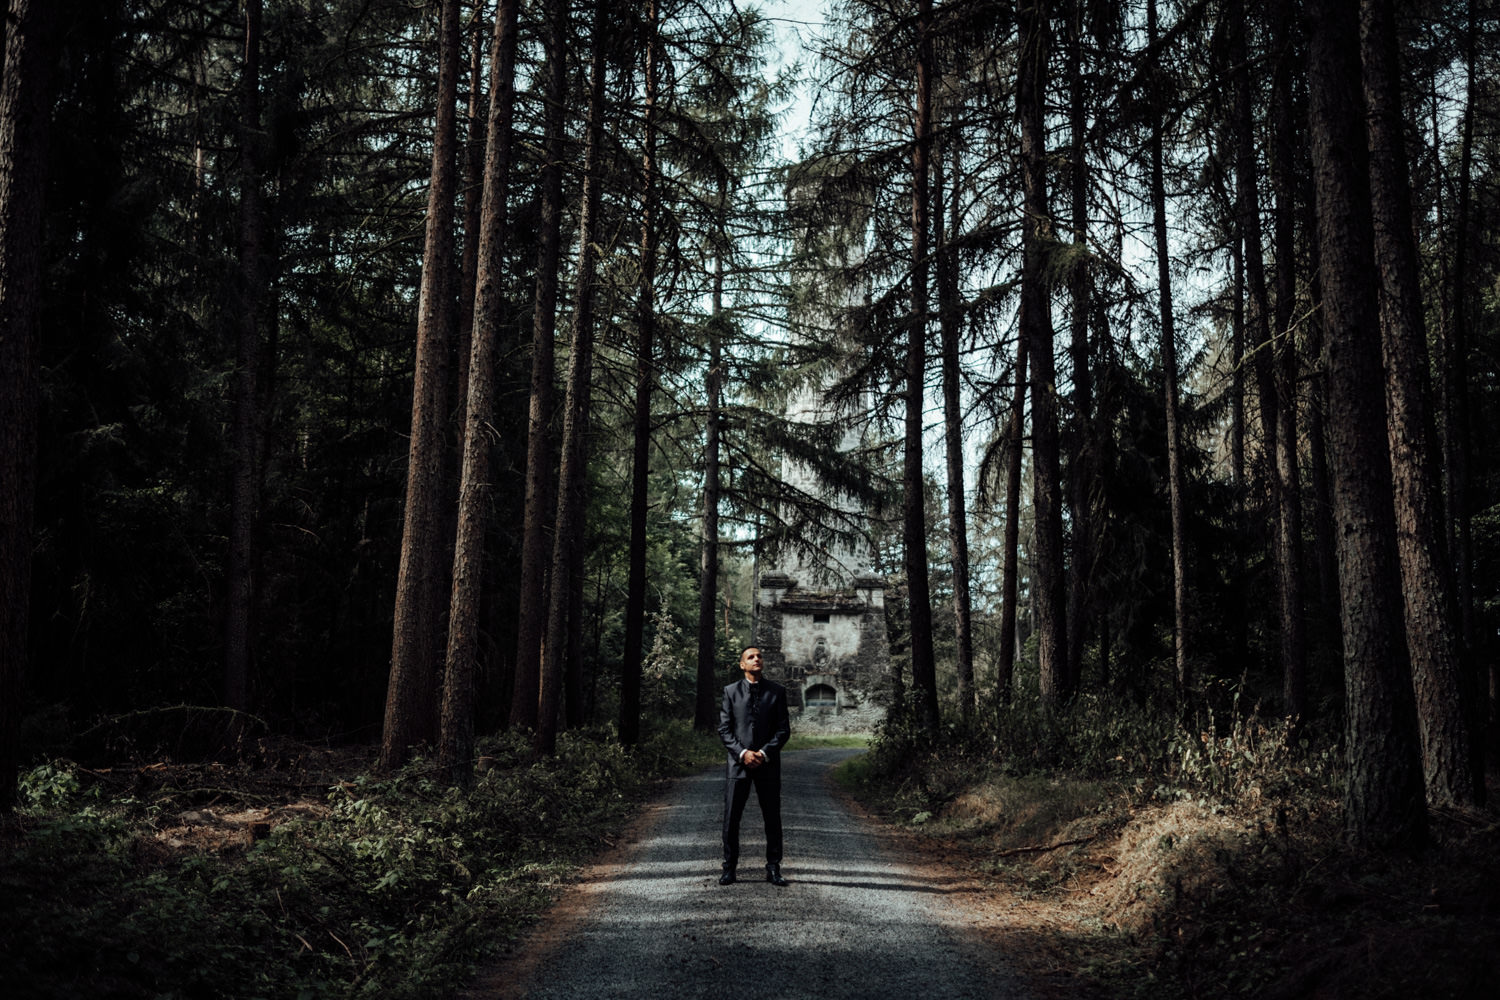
[395, 888]
[1247, 758]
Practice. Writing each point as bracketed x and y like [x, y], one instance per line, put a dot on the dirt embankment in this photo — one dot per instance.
[1091, 893]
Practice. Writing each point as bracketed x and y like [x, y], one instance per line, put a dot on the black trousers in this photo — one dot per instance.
[767, 782]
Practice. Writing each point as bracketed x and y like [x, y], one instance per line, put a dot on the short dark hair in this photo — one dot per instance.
[746, 649]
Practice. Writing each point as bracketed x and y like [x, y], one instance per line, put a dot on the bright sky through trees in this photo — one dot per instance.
[796, 23]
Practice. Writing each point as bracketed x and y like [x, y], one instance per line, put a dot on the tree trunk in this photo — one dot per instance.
[1383, 799]
[1182, 645]
[1082, 473]
[416, 649]
[473, 198]
[476, 486]
[913, 506]
[1457, 441]
[1010, 571]
[572, 487]
[1237, 384]
[1275, 359]
[539, 478]
[1456, 428]
[25, 102]
[246, 423]
[953, 436]
[1049, 597]
[706, 710]
[535, 704]
[1319, 472]
[1426, 575]
[1239, 583]
[635, 598]
[1288, 458]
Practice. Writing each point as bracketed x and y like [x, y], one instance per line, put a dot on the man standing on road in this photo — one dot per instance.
[754, 725]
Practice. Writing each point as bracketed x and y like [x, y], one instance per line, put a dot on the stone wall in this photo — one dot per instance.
[829, 648]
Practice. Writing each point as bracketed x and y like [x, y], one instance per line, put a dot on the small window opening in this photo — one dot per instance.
[820, 696]
[820, 619]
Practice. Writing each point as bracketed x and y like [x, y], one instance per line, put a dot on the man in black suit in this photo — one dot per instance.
[754, 725]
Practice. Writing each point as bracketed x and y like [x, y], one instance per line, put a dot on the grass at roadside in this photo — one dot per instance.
[301, 880]
[817, 741]
[1212, 867]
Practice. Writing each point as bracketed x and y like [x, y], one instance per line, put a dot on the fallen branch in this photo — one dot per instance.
[1039, 848]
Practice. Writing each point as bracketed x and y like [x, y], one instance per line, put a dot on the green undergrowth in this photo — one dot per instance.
[216, 886]
[1155, 861]
[820, 741]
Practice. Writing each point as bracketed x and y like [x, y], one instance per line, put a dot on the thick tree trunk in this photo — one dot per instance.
[1432, 628]
[411, 701]
[635, 598]
[568, 549]
[1182, 645]
[539, 478]
[913, 484]
[25, 85]
[537, 694]
[953, 436]
[244, 504]
[476, 486]
[1048, 593]
[705, 704]
[1383, 798]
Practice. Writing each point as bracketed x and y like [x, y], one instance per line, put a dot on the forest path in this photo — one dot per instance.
[857, 920]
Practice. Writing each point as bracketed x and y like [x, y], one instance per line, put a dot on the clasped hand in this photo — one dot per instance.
[753, 758]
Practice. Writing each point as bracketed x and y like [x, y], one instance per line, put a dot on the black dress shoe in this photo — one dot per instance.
[773, 875]
[727, 878]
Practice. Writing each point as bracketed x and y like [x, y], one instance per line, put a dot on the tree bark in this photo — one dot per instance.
[635, 599]
[25, 87]
[1010, 571]
[539, 478]
[913, 506]
[476, 486]
[1432, 627]
[953, 435]
[473, 198]
[1082, 472]
[1287, 364]
[1383, 800]
[1049, 597]
[705, 704]
[1275, 364]
[246, 422]
[535, 704]
[1182, 644]
[1457, 445]
[572, 488]
[411, 705]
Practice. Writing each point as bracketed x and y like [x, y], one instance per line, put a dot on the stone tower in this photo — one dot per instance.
[820, 607]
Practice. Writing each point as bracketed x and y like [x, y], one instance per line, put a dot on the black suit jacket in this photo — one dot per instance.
[767, 730]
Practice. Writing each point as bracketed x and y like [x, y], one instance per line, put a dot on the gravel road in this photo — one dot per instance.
[855, 922]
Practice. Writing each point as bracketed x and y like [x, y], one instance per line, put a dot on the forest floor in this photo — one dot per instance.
[317, 882]
[296, 871]
[1092, 891]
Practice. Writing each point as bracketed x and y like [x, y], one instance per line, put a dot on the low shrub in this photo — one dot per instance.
[392, 886]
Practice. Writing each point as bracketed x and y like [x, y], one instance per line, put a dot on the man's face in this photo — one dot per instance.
[750, 663]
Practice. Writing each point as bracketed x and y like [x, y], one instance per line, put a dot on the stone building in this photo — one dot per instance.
[820, 607]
